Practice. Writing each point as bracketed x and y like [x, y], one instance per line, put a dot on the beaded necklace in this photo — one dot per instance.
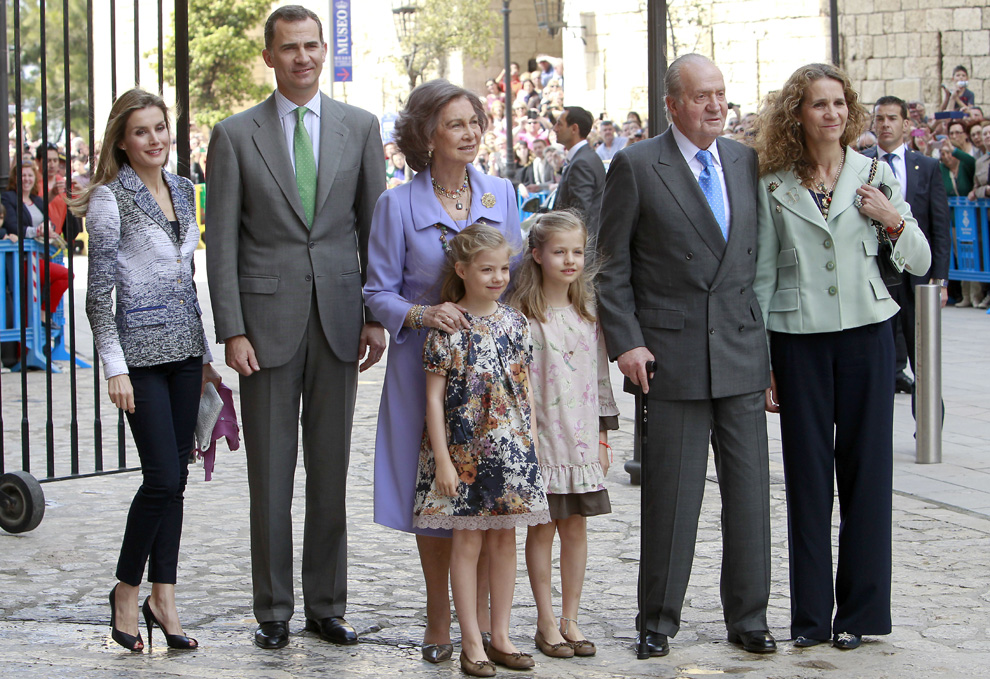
[826, 193]
[453, 195]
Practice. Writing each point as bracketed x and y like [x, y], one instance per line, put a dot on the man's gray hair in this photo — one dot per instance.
[673, 85]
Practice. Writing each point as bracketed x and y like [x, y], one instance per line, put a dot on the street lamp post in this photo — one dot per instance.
[510, 159]
[656, 19]
[404, 17]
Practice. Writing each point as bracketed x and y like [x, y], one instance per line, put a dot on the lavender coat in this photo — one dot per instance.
[405, 264]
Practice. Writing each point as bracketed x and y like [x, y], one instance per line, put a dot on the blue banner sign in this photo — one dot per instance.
[343, 71]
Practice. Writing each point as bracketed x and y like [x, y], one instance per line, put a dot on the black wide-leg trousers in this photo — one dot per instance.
[836, 420]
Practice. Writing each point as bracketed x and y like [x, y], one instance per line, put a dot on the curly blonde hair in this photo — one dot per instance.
[780, 139]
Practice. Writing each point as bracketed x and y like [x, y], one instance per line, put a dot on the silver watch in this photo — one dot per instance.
[942, 282]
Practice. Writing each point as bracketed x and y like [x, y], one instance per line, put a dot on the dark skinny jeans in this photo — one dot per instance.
[163, 424]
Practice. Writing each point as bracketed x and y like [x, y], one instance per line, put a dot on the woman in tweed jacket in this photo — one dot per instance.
[143, 234]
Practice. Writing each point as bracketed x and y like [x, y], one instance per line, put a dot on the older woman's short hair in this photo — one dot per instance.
[419, 120]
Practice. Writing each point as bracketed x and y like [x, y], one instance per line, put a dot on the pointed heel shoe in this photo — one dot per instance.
[131, 643]
[173, 640]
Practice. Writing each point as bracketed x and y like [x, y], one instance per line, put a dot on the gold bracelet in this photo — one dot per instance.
[414, 317]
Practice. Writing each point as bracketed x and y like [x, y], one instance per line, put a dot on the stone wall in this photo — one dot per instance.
[908, 48]
[902, 47]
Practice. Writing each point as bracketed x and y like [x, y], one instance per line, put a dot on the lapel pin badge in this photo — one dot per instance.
[792, 196]
[772, 186]
[488, 200]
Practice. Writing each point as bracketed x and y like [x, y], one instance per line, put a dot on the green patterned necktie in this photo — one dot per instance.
[305, 166]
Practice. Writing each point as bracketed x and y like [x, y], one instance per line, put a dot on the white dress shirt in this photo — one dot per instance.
[690, 152]
[899, 165]
[287, 114]
[574, 149]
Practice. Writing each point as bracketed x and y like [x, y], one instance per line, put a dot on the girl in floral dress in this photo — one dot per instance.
[478, 469]
[574, 409]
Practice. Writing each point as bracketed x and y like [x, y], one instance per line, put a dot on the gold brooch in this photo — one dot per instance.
[772, 186]
[488, 200]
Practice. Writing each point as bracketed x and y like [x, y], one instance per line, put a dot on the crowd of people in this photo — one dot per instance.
[497, 403]
[536, 103]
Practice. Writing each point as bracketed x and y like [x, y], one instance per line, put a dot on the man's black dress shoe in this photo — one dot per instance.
[335, 630]
[656, 644]
[272, 635]
[903, 384]
[760, 641]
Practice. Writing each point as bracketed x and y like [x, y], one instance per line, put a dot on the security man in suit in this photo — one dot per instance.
[922, 189]
[678, 243]
[291, 190]
[583, 178]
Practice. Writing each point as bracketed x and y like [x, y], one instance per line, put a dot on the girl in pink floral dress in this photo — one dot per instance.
[574, 409]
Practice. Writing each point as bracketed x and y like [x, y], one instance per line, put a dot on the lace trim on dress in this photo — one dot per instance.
[573, 478]
[482, 522]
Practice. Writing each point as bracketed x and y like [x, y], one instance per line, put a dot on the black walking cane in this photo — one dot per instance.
[642, 652]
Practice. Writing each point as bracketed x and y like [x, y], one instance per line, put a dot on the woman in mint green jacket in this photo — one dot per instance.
[826, 308]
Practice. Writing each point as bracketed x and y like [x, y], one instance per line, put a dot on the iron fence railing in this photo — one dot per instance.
[71, 447]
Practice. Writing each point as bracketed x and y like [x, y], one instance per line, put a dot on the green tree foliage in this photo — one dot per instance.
[438, 27]
[222, 56]
[30, 75]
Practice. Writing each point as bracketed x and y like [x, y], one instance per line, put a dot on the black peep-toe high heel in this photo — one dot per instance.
[131, 643]
[173, 640]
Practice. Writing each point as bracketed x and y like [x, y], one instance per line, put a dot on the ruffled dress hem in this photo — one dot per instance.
[482, 522]
[573, 478]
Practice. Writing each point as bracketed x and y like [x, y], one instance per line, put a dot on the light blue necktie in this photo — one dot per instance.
[889, 158]
[712, 188]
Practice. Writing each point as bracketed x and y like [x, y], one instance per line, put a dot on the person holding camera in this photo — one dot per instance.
[956, 96]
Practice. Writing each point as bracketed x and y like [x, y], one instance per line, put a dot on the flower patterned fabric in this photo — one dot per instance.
[572, 390]
[488, 428]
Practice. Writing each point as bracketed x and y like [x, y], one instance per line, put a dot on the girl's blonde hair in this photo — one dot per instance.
[528, 293]
[464, 247]
[779, 136]
[112, 157]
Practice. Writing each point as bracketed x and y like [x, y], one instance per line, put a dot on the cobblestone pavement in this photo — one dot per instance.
[54, 580]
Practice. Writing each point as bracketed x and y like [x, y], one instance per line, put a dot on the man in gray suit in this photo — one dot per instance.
[678, 242]
[290, 193]
[583, 177]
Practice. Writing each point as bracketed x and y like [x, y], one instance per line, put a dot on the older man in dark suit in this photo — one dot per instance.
[583, 178]
[678, 241]
[291, 190]
[922, 189]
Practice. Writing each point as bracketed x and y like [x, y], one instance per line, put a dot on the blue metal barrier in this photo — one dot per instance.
[970, 240]
[33, 354]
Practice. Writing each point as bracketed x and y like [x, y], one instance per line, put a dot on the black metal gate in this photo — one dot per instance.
[73, 438]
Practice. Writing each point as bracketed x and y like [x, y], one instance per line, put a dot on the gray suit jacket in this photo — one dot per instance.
[264, 264]
[671, 283]
[581, 186]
